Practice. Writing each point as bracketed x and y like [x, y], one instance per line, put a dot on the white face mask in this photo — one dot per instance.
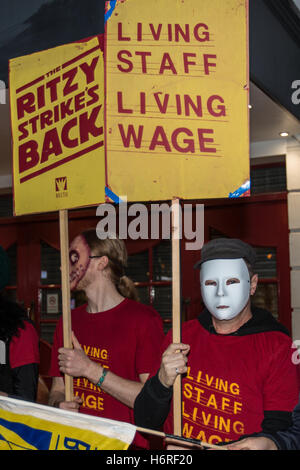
[225, 287]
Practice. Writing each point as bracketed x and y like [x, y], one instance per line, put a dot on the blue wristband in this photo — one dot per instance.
[100, 381]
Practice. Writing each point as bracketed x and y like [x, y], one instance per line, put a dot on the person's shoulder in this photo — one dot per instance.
[192, 329]
[75, 315]
[188, 328]
[24, 346]
[137, 308]
[264, 322]
[140, 313]
[269, 334]
[190, 325]
[277, 339]
[28, 330]
[77, 311]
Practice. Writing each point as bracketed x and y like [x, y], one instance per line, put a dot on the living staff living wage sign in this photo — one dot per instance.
[177, 98]
[57, 118]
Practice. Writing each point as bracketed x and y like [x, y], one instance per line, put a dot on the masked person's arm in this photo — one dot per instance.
[152, 405]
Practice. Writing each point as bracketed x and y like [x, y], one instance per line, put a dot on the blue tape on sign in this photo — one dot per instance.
[112, 196]
[241, 191]
[24, 436]
[108, 14]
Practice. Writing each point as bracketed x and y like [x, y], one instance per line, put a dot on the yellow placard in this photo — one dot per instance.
[177, 98]
[57, 121]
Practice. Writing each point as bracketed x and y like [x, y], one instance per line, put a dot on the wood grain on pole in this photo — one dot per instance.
[65, 288]
[176, 309]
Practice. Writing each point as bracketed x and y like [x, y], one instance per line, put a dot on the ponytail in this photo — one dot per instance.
[115, 250]
[127, 288]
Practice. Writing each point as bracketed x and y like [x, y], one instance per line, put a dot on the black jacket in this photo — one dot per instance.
[290, 438]
[152, 405]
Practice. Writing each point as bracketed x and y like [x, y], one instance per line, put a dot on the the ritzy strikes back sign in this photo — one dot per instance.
[57, 118]
[177, 98]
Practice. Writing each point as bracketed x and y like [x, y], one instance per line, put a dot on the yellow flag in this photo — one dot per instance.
[29, 426]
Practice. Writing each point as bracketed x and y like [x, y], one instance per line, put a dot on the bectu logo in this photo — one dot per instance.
[61, 186]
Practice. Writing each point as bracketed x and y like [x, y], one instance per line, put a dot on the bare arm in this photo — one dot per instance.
[57, 392]
[75, 362]
[123, 390]
[253, 443]
[57, 396]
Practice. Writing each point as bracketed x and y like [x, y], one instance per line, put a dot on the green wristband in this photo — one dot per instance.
[100, 382]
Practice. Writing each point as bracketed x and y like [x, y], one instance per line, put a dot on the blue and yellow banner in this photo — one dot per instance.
[29, 426]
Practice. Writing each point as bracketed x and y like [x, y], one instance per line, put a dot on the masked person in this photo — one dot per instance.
[116, 339]
[19, 344]
[235, 359]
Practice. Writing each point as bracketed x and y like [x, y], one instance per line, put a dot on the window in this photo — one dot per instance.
[6, 205]
[268, 178]
[50, 302]
[151, 271]
[266, 295]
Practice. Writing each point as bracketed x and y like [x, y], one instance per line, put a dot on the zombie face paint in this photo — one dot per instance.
[225, 287]
[79, 260]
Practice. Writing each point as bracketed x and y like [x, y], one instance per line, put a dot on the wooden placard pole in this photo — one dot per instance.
[65, 287]
[176, 309]
[180, 439]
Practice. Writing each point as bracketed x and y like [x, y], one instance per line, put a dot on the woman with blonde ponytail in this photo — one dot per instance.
[116, 339]
[115, 250]
[127, 288]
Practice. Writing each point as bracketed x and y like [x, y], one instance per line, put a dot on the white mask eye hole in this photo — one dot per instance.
[210, 283]
[231, 281]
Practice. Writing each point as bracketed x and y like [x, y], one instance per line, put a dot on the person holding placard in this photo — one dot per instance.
[19, 344]
[116, 339]
[235, 359]
[281, 440]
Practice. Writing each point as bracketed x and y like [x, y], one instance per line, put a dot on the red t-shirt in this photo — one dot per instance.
[126, 339]
[24, 349]
[232, 380]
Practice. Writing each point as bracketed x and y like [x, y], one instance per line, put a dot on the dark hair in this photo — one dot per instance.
[116, 252]
[250, 268]
[12, 318]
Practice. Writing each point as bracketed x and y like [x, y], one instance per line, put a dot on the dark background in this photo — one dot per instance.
[274, 30]
[28, 26]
